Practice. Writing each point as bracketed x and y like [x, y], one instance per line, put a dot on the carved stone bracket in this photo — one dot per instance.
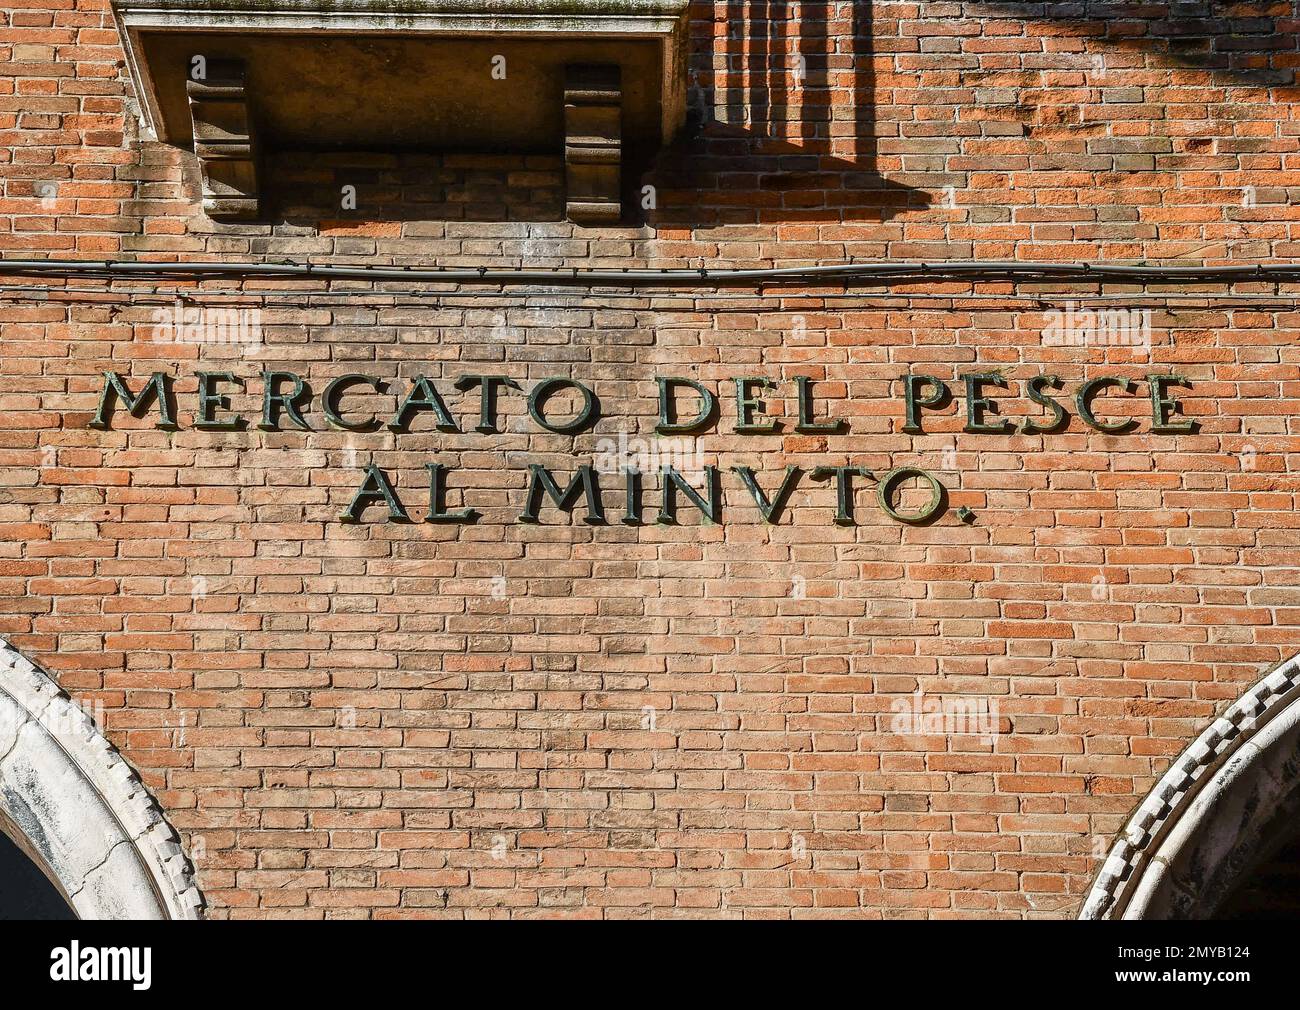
[224, 142]
[593, 143]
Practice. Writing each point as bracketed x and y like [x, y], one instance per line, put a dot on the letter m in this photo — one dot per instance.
[116, 964]
[155, 390]
[583, 483]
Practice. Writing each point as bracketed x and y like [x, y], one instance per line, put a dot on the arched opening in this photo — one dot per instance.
[76, 812]
[25, 892]
[1269, 889]
[1220, 824]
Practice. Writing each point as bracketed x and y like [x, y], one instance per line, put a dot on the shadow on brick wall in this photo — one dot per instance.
[782, 125]
[1253, 42]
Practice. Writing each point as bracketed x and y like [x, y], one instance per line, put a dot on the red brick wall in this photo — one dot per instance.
[385, 719]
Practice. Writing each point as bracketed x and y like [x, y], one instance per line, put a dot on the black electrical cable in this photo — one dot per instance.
[838, 274]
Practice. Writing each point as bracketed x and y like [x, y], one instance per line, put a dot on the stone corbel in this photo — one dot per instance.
[593, 143]
[224, 141]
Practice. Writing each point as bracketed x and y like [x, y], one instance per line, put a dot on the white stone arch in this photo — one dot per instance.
[69, 800]
[1213, 815]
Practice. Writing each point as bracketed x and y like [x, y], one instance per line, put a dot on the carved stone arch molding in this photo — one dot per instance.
[1226, 803]
[69, 800]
